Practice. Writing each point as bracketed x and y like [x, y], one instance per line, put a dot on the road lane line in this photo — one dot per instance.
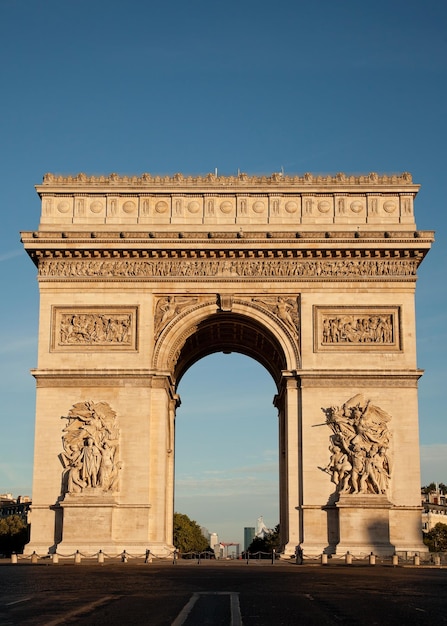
[183, 615]
[83, 609]
[236, 619]
[18, 601]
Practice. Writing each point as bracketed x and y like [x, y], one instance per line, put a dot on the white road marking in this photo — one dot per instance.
[83, 609]
[18, 601]
[236, 619]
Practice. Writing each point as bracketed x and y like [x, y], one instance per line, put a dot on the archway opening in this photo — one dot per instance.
[226, 463]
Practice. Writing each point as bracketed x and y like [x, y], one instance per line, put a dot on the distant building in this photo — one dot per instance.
[249, 535]
[15, 506]
[225, 550]
[435, 509]
[212, 538]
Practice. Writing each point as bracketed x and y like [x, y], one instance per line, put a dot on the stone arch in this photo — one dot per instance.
[247, 329]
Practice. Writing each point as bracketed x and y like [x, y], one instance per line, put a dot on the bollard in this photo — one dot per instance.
[14, 558]
[34, 557]
[324, 559]
[101, 557]
[395, 560]
[372, 559]
[416, 560]
[55, 558]
[148, 557]
[124, 557]
[348, 558]
[247, 557]
[273, 557]
[174, 560]
[77, 558]
[437, 559]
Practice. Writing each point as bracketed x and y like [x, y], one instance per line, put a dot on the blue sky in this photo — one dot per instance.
[132, 86]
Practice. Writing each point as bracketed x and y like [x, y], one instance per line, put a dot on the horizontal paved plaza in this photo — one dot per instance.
[220, 593]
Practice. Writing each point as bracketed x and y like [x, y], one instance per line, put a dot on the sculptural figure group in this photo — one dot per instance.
[360, 461]
[90, 449]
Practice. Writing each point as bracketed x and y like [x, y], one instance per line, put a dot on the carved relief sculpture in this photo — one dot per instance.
[94, 329]
[90, 454]
[360, 460]
[358, 329]
[262, 268]
[355, 328]
[285, 309]
[169, 307]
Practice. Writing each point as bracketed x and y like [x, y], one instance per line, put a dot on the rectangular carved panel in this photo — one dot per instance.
[357, 328]
[94, 328]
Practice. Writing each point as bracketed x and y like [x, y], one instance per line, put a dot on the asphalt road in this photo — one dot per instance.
[220, 594]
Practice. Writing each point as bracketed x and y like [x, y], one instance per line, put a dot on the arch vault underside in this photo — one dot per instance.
[140, 277]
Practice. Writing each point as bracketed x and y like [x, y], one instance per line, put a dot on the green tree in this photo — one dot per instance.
[269, 542]
[436, 538]
[428, 488]
[14, 534]
[187, 534]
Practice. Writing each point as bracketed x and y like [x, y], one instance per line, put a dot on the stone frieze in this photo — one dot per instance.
[351, 269]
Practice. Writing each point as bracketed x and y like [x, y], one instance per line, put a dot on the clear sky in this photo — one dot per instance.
[130, 86]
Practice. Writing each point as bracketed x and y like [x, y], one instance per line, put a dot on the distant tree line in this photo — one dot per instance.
[433, 487]
[188, 536]
[14, 534]
[436, 538]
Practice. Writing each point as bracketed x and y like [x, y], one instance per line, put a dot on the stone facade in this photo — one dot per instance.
[142, 276]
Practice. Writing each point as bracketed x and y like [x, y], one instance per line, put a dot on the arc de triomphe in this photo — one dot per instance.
[312, 276]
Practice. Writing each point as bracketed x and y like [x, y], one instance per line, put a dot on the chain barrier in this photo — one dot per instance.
[425, 559]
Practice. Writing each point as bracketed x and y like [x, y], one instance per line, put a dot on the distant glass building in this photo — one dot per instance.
[249, 535]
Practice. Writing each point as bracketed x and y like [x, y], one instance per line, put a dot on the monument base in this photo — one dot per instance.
[93, 522]
[364, 523]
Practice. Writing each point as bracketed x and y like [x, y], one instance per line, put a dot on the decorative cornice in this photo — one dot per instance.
[276, 179]
[240, 237]
[359, 378]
